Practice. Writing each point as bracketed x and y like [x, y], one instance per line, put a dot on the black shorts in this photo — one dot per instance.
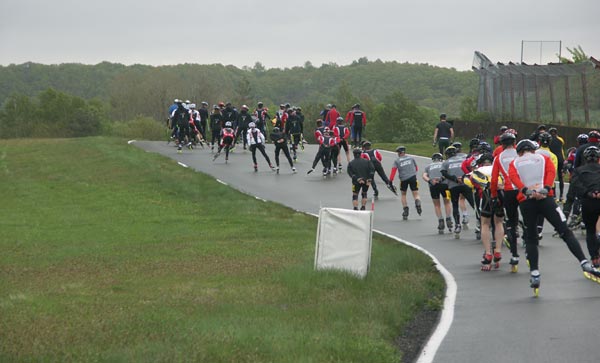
[356, 188]
[488, 209]
[412, 182]
[439, 190]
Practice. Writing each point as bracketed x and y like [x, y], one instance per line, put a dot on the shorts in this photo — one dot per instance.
[439, 190]
[357, 188]
[488, 208]
[412, 182]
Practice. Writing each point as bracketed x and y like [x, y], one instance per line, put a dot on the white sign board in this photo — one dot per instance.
[344, 240]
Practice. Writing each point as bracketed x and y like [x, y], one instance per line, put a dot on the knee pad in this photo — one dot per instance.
[364, 195]
[354, 196]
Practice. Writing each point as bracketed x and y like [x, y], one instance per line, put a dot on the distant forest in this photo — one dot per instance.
[78, 100]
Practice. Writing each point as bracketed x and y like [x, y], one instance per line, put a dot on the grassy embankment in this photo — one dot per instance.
[113, 254]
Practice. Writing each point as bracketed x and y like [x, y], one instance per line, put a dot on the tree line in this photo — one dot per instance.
[402, 100]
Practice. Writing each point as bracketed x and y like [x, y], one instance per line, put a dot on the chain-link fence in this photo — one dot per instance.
[557, 92]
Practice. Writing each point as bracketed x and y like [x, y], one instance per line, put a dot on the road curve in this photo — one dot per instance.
[495, 318]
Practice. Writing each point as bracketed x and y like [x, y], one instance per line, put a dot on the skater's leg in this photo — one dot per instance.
[529, 211]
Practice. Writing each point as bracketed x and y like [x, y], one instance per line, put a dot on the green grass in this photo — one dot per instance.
[112, 254]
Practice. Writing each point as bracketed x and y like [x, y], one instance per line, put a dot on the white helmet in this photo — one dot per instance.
[192, 105]
[228, 124]
[252, 125]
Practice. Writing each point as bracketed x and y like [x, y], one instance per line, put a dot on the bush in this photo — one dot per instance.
[144, 128]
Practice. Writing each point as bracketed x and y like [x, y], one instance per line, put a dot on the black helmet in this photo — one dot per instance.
[591, 154]
[594, 135]
[401, 149]
[259, 104]
[552, 129]
[526, 145]
[437, 156]
[275, 129]
[541, 127]
[450, 151]
[503, 128]
[443, 115]
[356, 105]
[357, 152]
[366, 143]
[484, 147]
[485, 157]
[545, 138]
[340, 120]
[582, 139]
[474, 143]
[507, 138]
[457, 145]
[298, 108]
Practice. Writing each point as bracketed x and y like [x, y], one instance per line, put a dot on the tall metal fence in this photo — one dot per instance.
[565, 94]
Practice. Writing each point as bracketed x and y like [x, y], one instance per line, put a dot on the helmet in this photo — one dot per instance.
[594, 135]
[366, 144]
[287, 105]
[188, 101]
[340, 120]
[484, 147]
[328, 105]
[582, 139]
[177, 100]
[215, 107]
[298, 108]
[252, 125]
[457, 145]
[357, 152]
[244, 108]
[221, 104]
[228, 124]
[512, 131]
[437, 156]
[401, 149]
[507, 138]
[326, 130]
[204, 103]
[503, 128]
[526, 145]
[192, 105]
[485, 157]
[259, 104]
[552, 129]
[591, 154]
[541, 127]
[443, 115]
[545, 138]
[275, 129]
[474, 143]
[450, 151]
[356, 105]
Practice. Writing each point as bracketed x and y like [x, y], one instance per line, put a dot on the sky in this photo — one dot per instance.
[283, 34]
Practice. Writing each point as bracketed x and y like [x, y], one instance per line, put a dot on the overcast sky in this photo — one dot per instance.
[280, 33]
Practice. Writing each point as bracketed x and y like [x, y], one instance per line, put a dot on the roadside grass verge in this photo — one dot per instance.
[112, 254]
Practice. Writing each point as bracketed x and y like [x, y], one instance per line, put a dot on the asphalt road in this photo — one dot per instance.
[495, 317]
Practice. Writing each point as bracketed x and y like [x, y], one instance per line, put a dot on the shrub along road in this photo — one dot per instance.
[495, 318]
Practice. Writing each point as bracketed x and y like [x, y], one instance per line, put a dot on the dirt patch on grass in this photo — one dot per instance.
[416, 334]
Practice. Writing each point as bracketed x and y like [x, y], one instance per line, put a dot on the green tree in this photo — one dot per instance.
[577, 54]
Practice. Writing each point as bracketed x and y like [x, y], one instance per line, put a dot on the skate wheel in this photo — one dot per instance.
[536, 291]
[457, 236]
[514, 268]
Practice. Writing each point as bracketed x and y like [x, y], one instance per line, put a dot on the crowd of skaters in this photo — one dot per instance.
[513, 180]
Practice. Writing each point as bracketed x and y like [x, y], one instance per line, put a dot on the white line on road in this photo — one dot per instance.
[182, 164]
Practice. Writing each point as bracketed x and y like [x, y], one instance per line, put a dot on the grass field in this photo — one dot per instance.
[111, 254]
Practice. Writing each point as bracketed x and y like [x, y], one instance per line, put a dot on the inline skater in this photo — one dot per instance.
[586, 185]
[453, 173]
[406, 166]
[533, 176]
[342, 133]
[508, 193]
[280, 141]
[226, 138]
[261, 115]
[204, 117]
[375, 157]
[361, 171]
[491, 211]
[438, 189]
[294, 127]
[593, 140]
[256, 140]
[357, 119]
[326, 144]
[572, 202]
[557, 147]
[181, 118]
[243, 120]
[216, 123]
